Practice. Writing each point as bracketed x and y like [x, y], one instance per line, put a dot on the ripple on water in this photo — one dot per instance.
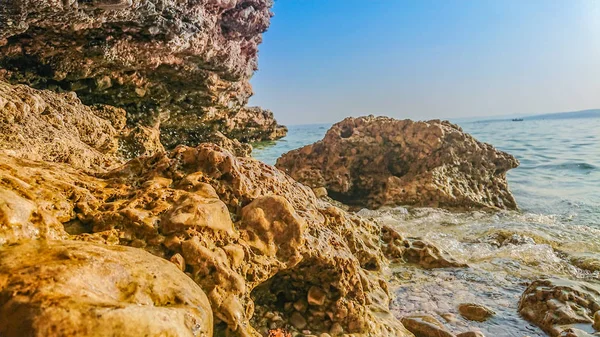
[505, 251]
[440, 292]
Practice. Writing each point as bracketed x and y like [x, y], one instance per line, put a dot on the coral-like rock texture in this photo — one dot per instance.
[267, 253]
[57, 127]
[70, 288]
[43, 125]
[562, 307]
[375, 161]
[181, 65]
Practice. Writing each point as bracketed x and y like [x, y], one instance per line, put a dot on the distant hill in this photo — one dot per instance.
[595, 113]
[592, 113]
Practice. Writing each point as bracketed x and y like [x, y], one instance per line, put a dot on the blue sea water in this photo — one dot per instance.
[554, 234]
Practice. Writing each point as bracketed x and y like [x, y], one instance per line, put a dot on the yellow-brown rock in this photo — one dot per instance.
[53, 127]
[250, 236]
[182, 66]
[43, 125]
[426, 326]
[70, 288]
[375, 161]
[475, 312]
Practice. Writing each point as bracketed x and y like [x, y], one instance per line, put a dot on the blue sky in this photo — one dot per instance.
[323, 60]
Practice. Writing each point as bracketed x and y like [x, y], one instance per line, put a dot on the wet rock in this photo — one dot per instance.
[471, 334]
[425, 326]
[475, 312]
[586, 261]
[597, 321]
[181, 65]
[504, 238]
[376, 161]
[427, 255]
[557, 305]
[414, 250]
[574, 332]
[449, 317]
[69, 288]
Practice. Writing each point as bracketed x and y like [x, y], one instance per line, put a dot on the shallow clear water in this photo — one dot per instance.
[555, 233]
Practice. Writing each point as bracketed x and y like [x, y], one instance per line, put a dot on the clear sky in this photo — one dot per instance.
[323, 60]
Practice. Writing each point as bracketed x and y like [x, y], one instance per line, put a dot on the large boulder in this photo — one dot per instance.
[376, 161]
[181, 65]
[70, 288]
[256, 241]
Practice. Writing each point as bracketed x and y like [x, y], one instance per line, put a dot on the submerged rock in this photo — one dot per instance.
[426, 326]
[255, 240]
[415, 250]
[70, 288]
[471, 334]
[475, 312]
[181, 65]
[561, 307]
[376, 161]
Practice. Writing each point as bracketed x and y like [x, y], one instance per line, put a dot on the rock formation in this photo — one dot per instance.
[70, 288]
[43, 125]
[258, 243]
[203, 240]
[183, 66]
[562, 307]
[376, 161]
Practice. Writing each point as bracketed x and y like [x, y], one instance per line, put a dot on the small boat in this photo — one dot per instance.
[517, 119]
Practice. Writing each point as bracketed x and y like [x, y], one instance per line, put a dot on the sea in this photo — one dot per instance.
[555, 233]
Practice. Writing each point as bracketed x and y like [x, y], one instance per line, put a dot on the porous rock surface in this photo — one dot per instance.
[562, 307]
[71, 288]
[182, 66]
[258, 243]
[43, 125]
[375, 161]
[57, 127]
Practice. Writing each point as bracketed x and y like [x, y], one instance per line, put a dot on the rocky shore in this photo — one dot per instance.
[129, 205]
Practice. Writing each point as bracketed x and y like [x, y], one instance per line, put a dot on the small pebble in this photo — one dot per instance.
[298, 321]
[336, 329]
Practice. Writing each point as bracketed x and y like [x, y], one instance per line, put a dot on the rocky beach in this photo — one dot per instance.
[130, 204]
